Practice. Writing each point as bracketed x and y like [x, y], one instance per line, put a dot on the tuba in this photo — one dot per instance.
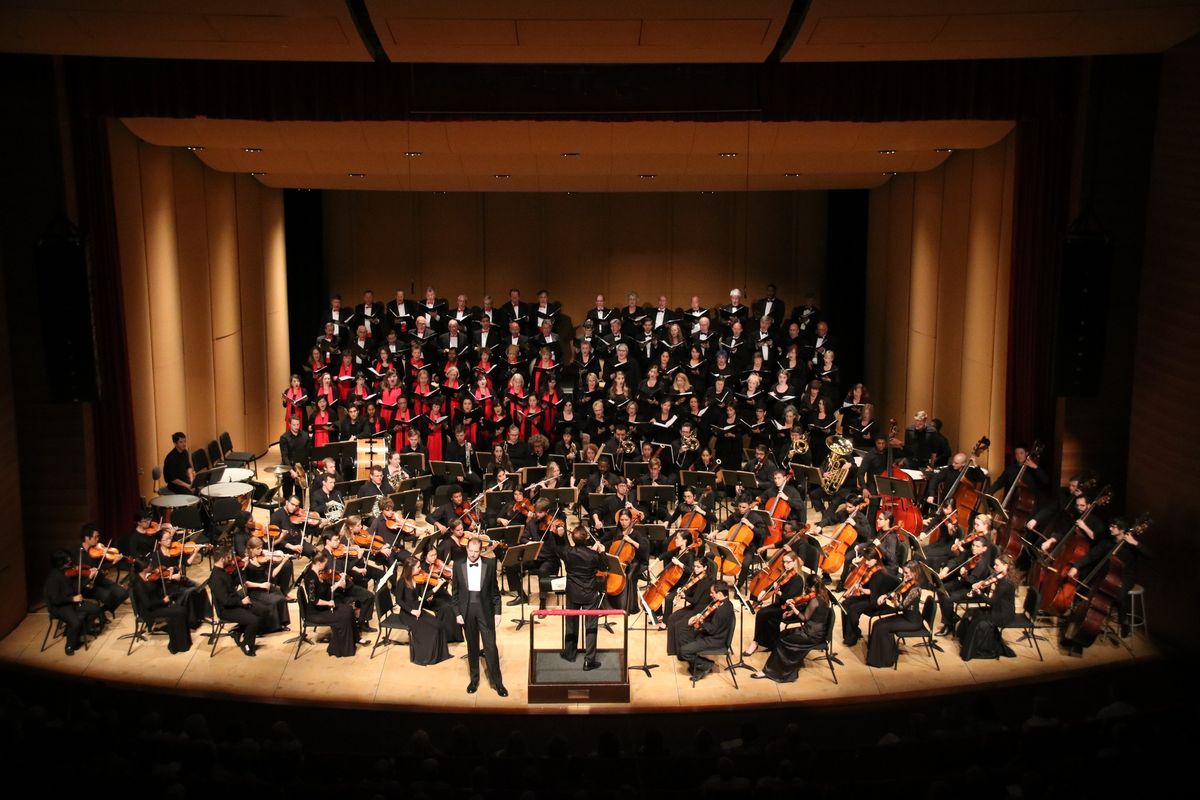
[837, 466]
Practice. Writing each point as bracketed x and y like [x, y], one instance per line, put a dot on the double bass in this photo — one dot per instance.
[966, 492]
[904, 511]
[1057, 593]
[1089, 616]
[1021, 510]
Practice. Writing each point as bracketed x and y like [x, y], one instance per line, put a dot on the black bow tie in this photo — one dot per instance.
[472, 563]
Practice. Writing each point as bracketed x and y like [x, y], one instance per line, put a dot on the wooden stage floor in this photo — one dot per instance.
[390, 681]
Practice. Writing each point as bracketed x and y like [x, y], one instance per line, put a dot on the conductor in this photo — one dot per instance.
[477, 601]
[583, 592]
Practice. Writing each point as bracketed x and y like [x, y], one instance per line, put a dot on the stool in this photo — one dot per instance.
[1137, 609]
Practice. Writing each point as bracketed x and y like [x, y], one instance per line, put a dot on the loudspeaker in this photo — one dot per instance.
[67, 333]
[1082, 315]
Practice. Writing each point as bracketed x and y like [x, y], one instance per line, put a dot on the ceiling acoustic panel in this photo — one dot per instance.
[919, 30]
[573, 31]
[229, 30]
[570, 156]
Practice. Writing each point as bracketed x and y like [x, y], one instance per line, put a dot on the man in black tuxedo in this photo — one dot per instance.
[583, 591]
[477, 601]
[769, 306]
[370, 314]
[516, 311]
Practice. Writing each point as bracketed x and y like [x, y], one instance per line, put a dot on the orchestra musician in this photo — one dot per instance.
[286, 534]
[156, 602]
[108, 593]
[267, 578]
[979, 632]
[327, 605]
[973, 569]
[709, 629]
[233, 603]
[427, 643]
[65, 601]
[904, 615]
[547, 529]
[864, 597]
[767, 619]
[177, 469]
[173, 559]
[793, 645]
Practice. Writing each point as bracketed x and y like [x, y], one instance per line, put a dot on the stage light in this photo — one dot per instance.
[943, 150]
[887, 152]
[252, 149]
[727, 155]
[647, 176]
[792, 174]
[502, 176]
[890, 174]
[257, 174]
[570, 155]
[357, 174]
[413, 154]
[195, 148]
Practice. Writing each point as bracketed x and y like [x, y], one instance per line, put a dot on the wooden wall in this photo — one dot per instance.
[576, 245]
[203, 273]
[939, 247]
[1166, 373]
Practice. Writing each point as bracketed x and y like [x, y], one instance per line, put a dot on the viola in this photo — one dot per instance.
[76, 571]
[856, 582]
[523, 506]
[343, 549]
[330, 576]
[235, 564]
[153, 528]
[468, 517]
[395, 523]
[708, 612]
[159, 574]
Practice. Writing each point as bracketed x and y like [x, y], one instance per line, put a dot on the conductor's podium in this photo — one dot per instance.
[553, 680]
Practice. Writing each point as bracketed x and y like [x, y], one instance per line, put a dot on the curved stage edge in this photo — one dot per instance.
[389, 682]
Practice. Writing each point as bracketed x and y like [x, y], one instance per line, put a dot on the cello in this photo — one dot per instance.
[762, 579]
[656, 593]
[1089, 616]
[904, 511]
[779, 510]
[833, 555]
[1020, 511]
[694, 522]
[625, 552]
[1056, 593]
[739, 537]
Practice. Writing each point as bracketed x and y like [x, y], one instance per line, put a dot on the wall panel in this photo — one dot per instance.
[937, 302]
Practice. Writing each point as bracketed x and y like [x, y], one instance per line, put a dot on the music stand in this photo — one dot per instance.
[733, 477]
[207, 477]
[493, 500]
[633, 469]
[349, 488]
[718, 549]
[510, 534]
[645, 666]
[531, 475]
[655, 495]
[991, 506]
[448, 469]
[563, 496]
[812, 475]
[485, 461]
[595, 500]
[413, 463]
[517, 556]
[338, 451]
[581, 472]
[702, 480]
[743, 603]
[405, 501]
[894, 487]
[362, 506]
[554, 458]
[416, 483]
[655, 532]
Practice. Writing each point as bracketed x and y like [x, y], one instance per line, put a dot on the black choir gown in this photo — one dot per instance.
[343, 627]
[882, 648]
[792, 646]
[426, 636]
[274, 600]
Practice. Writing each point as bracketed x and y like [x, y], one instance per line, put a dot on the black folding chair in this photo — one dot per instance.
[727, 652]
[1026, 621]
[928, 611]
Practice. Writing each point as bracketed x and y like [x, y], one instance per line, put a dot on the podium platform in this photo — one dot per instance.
[553, 680]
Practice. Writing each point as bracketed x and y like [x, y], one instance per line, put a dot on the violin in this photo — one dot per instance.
[706, 613]
[76, 571]
[792, 605]
[344, 549]
[984, 585]
[330, 575]
[159, 574]
[523, 506]
[235, 564]
[153, 528]
[894, 597]
[856, 581]
[468, 517]
[364, 539]
[109, 554]
[396, 523]
[176, 549]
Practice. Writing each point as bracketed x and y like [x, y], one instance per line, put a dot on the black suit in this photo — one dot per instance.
[778, 309]
[375, 318]
[583, 591]
[59, 589]
[227, 603]
[478, 611]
